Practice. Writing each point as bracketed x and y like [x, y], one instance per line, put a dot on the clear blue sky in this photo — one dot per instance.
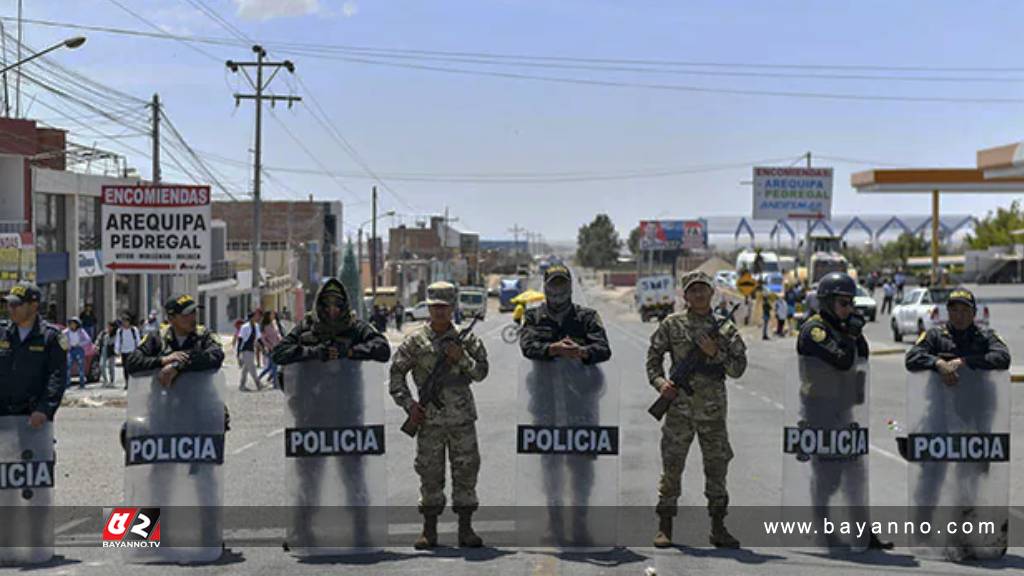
[405, 120]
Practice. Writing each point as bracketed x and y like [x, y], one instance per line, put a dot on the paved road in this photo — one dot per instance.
[90, 472]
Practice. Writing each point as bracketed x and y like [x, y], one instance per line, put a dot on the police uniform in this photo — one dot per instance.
[204, 348]
[555, 320]
[828, 401]
[450, 428]
[981, 349]
[312, 340]
[33, 370]
[314, 335]
[702, 415]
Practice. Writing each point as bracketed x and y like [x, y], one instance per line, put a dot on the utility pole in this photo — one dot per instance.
[807, 238]
[259, 86]
[373, 252]
[516, 230]
[17, 86]
[149, 280]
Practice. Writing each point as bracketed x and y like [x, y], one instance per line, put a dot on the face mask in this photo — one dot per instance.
[558, 297]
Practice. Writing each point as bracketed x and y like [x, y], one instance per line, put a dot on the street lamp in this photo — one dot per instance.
[70, 43]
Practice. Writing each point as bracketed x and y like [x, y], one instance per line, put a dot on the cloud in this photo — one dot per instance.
[349, 9]
[269, 9]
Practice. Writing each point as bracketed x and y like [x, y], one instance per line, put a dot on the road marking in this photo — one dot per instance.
[69, 525]
[778, 405]
[739, 386]
[273, 433]
[244, 448]
[888, 454]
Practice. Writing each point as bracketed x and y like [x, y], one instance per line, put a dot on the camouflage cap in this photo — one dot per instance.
[441, 294]
[963, 296]
[697, 277]
[24, 292]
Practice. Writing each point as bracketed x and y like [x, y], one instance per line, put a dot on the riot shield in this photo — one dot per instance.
[174, 452]
[336, 468]
[26, 491]
[825, 447]
[567, 463]
[958, 448]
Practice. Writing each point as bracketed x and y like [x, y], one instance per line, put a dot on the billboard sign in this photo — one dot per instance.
[792, 193]
[673, 234]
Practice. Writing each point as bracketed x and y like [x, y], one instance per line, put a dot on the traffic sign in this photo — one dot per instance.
[746, 284]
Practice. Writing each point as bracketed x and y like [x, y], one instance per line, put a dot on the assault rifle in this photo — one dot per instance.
[430, 392]
[682, 372]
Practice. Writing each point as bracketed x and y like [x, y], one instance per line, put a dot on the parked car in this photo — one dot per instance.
[923, 308]
[865, 304]
[418, 312]
[726, 278]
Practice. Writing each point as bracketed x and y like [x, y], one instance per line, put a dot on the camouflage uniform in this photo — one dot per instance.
[451, 427]
[702, 414]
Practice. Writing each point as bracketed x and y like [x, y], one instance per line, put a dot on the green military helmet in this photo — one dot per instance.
[441, 294]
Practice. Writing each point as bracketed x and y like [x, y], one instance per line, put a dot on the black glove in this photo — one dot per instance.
[855, 325]
[227, 419]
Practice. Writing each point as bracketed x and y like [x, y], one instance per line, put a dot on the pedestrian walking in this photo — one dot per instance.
[901, 280]
[766, 314]
[270, 336]
[781, 311]
[248, 336]
[77, 339]
[126, 341]
[888, 292]
[88, 318]
[106, 344]
[399, 316]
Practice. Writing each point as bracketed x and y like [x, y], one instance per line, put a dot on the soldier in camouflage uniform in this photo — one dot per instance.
[703, 414]
[450, 428]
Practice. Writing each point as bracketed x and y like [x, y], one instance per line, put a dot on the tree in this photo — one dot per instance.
[892, 254]
[597, 244]
[349, 275]
[995, 229]
[634, 241]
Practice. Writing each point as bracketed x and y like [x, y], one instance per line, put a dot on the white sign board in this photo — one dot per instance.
[156, 229]
[793, 193]
[90, 264]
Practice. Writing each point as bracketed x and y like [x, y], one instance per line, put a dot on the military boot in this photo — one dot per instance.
[720, 537]
[428, 538]
[468, 538]
[663, 539]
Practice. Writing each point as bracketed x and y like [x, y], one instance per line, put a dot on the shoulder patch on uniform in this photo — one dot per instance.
[818, 334]
[921, 338]
[62, 341]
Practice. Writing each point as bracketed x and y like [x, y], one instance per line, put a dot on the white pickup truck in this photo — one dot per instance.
[655, 297]
[923, 308]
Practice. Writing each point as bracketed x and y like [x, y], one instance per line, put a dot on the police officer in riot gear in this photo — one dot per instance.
[33, 368]
[835, 336]
[328, 333]
[560, 328]
[947, 349]
[33, 359]
[181, 346]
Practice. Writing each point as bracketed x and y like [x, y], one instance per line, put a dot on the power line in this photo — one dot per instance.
[154, 26]
[378, 57]
[369, 50]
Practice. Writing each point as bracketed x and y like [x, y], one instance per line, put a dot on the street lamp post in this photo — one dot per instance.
[70, 44]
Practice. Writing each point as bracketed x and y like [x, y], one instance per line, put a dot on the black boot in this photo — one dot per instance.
[663, 539]
[428, 538]
[720, 537]
[467, 537]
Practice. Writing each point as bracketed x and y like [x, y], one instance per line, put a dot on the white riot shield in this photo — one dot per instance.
[825, 446]
[958, 446]
[26, 491]
[174, 454]
[336, 467]
[567, 463]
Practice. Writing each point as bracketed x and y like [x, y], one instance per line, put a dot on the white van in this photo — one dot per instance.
[473, 301]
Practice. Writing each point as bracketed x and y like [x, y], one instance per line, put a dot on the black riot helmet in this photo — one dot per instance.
[832, 285]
